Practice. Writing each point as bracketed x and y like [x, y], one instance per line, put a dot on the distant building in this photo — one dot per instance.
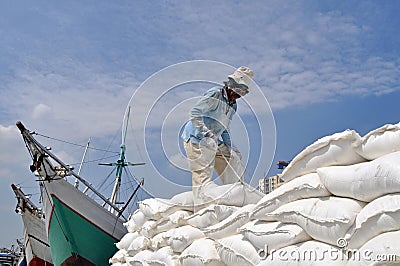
[268, 184]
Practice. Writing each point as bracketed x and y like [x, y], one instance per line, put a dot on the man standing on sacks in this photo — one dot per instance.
[206, 135]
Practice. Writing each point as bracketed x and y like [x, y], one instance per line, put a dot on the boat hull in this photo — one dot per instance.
[37, 251]
[80, 231]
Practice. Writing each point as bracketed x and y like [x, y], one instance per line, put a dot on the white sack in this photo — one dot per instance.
[147, 228]
[139, 258]
[325, 219]
[183, 200]
[306, 253]
[135, 221]
[156, 208]
[380, 141]
[156, 228]
[383, 249]
[306, 186]
[364, 181]
[138, 244]
[230, 225]
[210, 215]
[236, 194]
[175, 220]
[179, 217]
[251, 195]
[234, 250]
[119, 257]
[337, 149]
[126, 240]
[159, 240]
[163, 257]
[201, 252]
[180, 238]
[275, 235]
[380, 216]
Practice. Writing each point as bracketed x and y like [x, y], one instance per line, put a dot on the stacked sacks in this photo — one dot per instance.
[167, 232]
[337, 149]
[370, 210]
[340, 205]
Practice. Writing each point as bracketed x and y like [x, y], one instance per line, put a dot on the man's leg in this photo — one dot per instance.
[201, 160]
[228, 164]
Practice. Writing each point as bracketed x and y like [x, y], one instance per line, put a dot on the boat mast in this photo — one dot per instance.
[80, 166]
[120, 163]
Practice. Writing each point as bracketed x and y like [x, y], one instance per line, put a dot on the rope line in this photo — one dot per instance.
[75, 144]
[96, 160]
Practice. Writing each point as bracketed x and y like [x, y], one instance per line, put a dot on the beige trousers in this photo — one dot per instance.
[205, 157]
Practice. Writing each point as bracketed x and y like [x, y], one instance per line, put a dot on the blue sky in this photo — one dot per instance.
[68, 69]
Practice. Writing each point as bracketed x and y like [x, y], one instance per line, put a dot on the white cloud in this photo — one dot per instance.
[304, 53]
[312, 56]
[40, 111]
[86, 100]
[9, 140]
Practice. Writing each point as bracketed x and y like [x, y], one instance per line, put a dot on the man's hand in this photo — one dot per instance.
[209, 142]
[208, 134]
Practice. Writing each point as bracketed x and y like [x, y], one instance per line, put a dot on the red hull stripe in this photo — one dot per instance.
[36, 261]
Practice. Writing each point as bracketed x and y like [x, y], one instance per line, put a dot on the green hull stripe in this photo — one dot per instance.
[87, 240]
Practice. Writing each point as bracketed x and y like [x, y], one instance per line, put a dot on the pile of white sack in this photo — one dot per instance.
[339, 205]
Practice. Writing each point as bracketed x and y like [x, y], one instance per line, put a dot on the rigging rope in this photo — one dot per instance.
[75, 144]
[96, 160]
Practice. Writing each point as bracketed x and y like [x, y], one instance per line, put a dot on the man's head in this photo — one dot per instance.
[239, 82]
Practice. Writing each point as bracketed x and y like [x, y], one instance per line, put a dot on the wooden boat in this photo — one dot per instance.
[81, 230]
[35, 244]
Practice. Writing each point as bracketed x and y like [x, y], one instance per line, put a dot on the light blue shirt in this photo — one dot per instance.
[216, 114]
